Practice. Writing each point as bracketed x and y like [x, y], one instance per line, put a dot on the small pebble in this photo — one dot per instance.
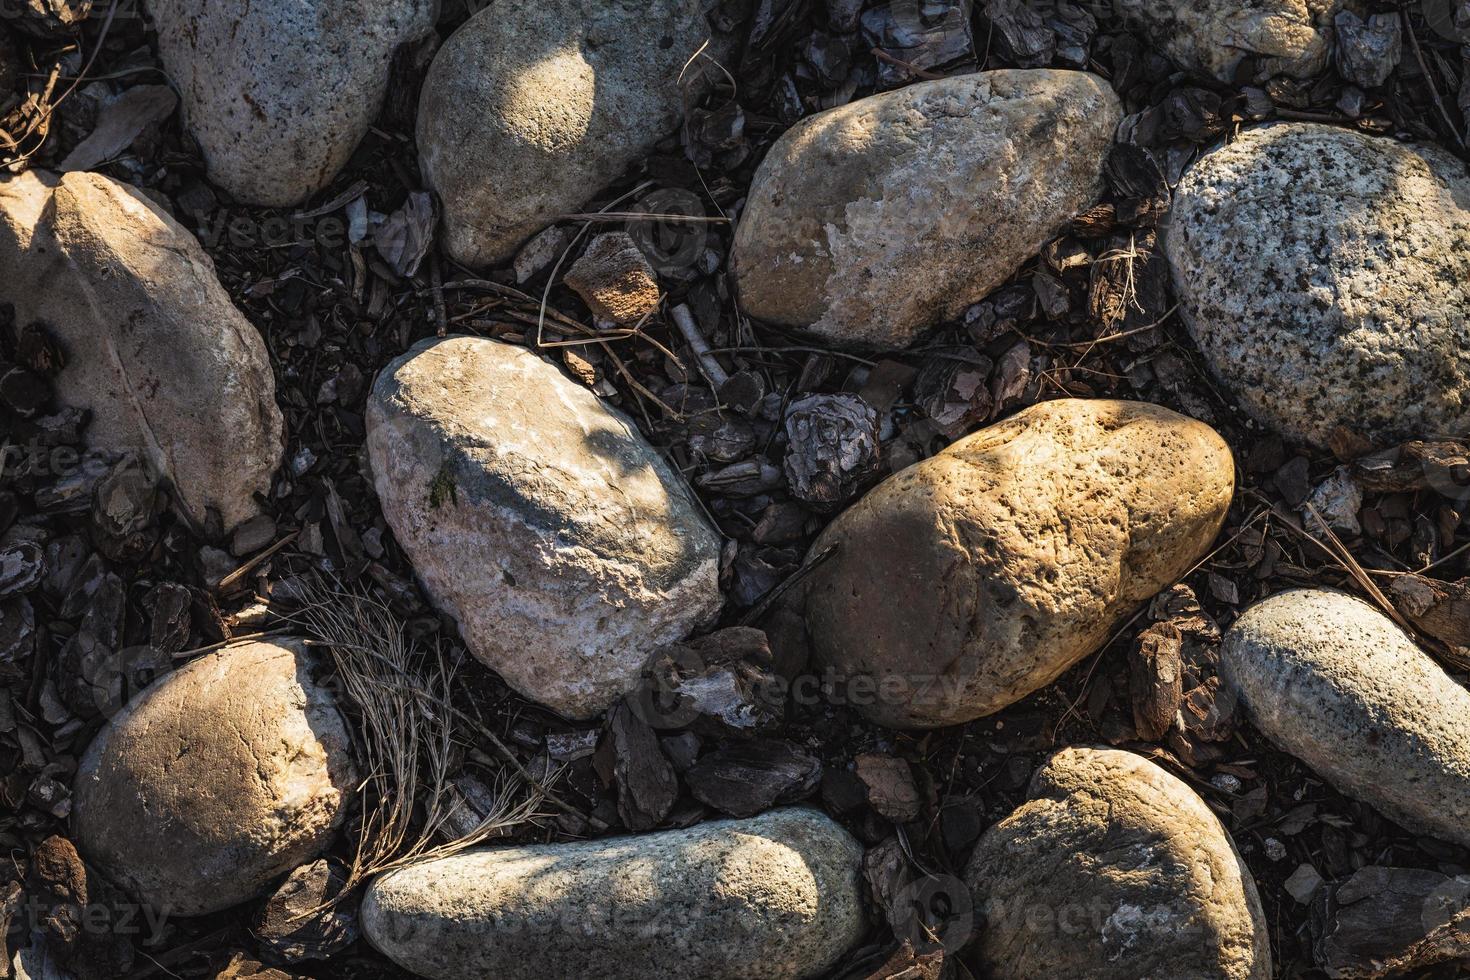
[1225, 782]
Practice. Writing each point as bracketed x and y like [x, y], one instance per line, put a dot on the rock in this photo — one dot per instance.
[1114, 870]
[615, 280]
[279, 95]
[1368, 51]
[531, 108]
[1332, 681]
[155, 351]
[721, 684]
[1334, 505]
[540, 519]
[890, 784]
[869, 223]
[299, 922]
[747, 777]
[1325, 276]
[969, 580]
[1286, 37]
[1389, 921]
[216, 780]
[776, 897]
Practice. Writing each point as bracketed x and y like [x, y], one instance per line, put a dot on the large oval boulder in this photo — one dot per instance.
[168, 368]
[776, 896]
[1325, 276]
[278, 95]
[217, 780]
[535, 105]
[1286, 37]
[869, 223]
[1114, 870]
[539, 518]
[979, 575]
[1336, 683]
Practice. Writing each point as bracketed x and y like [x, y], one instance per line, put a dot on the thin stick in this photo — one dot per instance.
[684, 320]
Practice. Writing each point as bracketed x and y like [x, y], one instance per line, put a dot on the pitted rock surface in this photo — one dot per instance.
[1325, 276]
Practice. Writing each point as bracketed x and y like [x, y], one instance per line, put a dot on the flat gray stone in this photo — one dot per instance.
[1334, 682]
[217, 780]
[539, 518]
[533, 106]
[278, 95]
[869, 223]
[1114, 870]
[774, 897]
[167, 366]
[1325, 276]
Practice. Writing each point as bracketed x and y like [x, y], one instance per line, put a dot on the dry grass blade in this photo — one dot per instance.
[1340, 554]
[407, 733]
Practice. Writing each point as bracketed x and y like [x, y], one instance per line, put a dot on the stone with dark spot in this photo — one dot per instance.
[1325, 276]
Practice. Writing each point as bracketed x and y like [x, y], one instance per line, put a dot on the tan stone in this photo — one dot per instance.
[169, 369]
[216, 780]
[975, 577]
[533, 106]
[1114, 870]
[869, 223]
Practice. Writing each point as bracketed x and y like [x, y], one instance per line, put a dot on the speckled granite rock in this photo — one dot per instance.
[869, 223]
[1114, 870]
[278, 95]
[1287, 37]
[169, 369]
[979, 575]
[1337, 684]
[533, 106]
[216, 780]
[1325, 275]
[776, 897]
[539, 518]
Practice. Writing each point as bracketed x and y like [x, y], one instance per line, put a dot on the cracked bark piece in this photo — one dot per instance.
[217, 780]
